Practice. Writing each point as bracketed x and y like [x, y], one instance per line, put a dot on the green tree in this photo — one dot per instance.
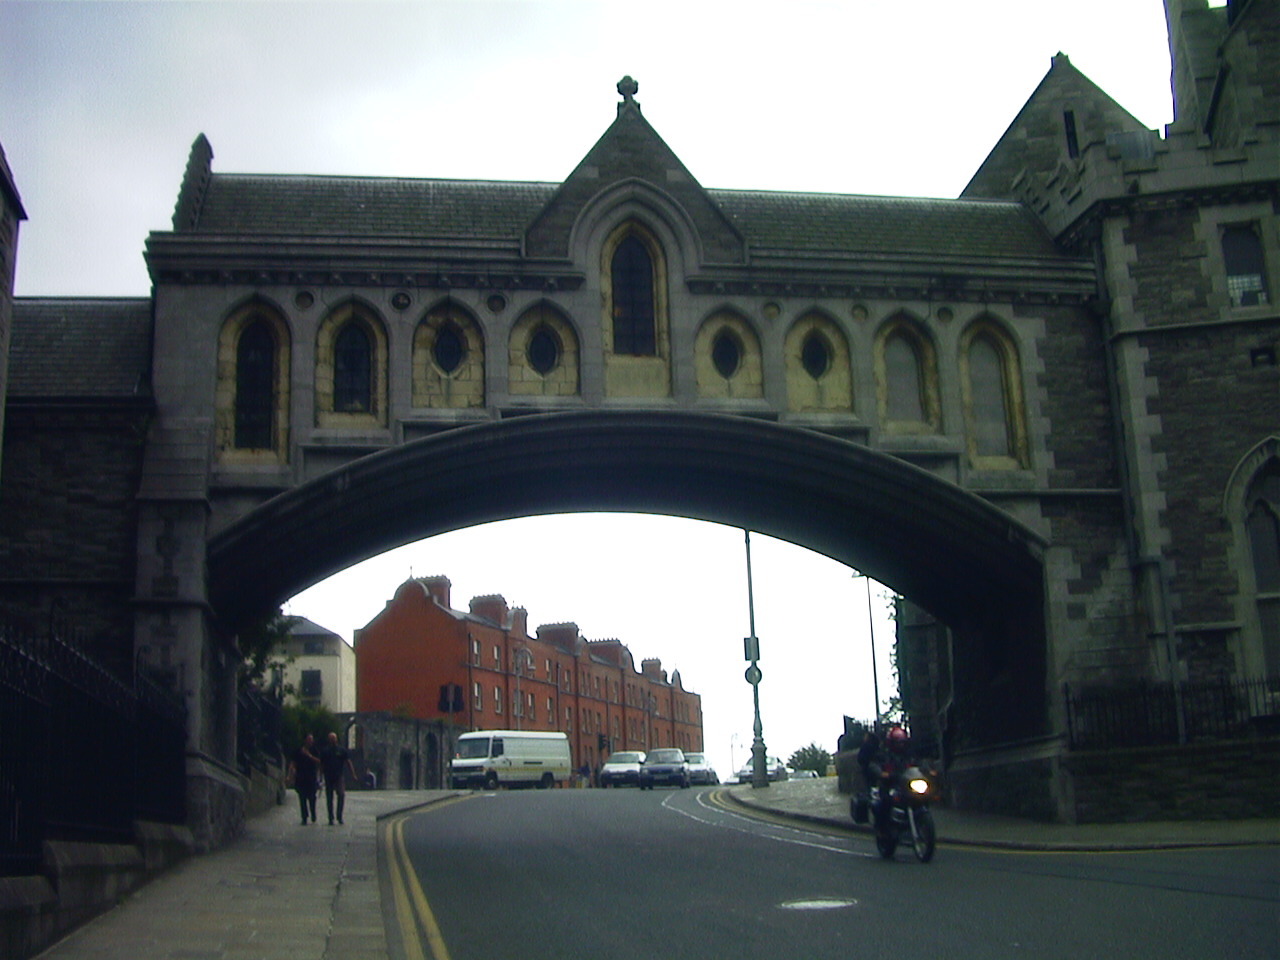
[262, 647]
[297, 721]
[812, 757]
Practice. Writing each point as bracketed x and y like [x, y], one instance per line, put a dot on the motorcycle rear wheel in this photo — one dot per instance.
[924, 838]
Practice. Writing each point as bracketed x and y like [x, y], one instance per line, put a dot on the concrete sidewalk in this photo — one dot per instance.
[818, 801]
[283, 891]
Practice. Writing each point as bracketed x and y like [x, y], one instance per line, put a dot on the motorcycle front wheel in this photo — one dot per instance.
[924, 838]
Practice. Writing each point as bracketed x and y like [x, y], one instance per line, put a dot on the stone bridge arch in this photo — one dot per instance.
[951, 553]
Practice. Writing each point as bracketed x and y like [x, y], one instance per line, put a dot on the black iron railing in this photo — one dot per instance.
[259, 724]
[1152, 714]
[83, 754]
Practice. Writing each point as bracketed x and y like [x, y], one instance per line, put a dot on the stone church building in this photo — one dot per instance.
[1066, 379]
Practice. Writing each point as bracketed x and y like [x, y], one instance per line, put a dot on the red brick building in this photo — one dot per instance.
[556, 680]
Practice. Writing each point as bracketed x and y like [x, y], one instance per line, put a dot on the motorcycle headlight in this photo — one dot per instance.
[919, 785]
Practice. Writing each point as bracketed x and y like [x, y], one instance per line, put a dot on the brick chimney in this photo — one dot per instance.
[438, 587]
[519, 621]
[493, 607]
[652, 668]
[564, 636]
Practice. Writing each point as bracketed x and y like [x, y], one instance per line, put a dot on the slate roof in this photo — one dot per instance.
[862, 224]
[80, 349]
[369, 207]
[363, 207]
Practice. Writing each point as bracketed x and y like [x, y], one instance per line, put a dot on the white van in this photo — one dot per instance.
[488, 758]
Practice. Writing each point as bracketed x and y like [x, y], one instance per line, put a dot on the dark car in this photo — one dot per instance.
[666, 766]
[622, 769]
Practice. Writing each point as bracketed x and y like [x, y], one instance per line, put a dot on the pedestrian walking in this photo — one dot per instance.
[335, 761]
[304, 771]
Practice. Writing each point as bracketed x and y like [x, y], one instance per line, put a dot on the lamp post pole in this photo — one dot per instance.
[759, 773]
[871, 627]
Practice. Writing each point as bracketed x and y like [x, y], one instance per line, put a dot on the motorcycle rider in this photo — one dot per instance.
[886, 769]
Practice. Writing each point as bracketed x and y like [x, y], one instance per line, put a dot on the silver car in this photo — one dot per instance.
[700, 769]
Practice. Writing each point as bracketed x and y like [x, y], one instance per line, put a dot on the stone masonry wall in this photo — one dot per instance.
[1200, 782]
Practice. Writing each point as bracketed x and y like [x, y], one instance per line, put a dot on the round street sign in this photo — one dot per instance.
[753, 674]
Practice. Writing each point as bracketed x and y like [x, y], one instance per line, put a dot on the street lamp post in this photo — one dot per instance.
[871, 626]
[759, 771]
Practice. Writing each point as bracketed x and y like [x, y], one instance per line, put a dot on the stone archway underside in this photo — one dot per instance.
[949, 551]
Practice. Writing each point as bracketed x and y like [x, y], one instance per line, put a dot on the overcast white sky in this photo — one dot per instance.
[99, 104]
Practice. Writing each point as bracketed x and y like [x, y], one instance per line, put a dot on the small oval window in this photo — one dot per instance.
[449, 349]
[726, 354]
[544, 350]
[815, 355]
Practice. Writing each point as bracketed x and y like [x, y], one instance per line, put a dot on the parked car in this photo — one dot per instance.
[776, 769]
[622, 769]
[804, 775]
[665, 765]
[700, 769]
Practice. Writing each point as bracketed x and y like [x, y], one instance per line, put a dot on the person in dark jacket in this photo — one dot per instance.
[304, 773]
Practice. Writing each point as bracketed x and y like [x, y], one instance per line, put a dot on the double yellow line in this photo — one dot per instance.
[414, 918]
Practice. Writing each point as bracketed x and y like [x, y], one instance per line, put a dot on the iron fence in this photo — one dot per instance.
[1153, 714]
[259, 723]
[83, 754]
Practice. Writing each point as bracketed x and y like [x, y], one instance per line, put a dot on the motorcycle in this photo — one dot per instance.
[904, 815]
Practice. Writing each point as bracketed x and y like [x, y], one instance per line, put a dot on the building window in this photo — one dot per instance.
[544, 350]
[311, 686]
[313, 647]
[1069, 127]
[726, 354]
[448, 359]
[728, 361]
[993, 410]
[449, 349]
[906, 368]
[548, 668]
[497, 699]
[497, 656]
[815, 355]
[477, 695]
[551, 710]
[906, 386]
[634, 322]
[475, 652]
[1242, 254]
[532, 706]
[353, 370]
[255, 387]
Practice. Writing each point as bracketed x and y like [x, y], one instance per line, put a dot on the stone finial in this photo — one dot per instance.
[628, 88]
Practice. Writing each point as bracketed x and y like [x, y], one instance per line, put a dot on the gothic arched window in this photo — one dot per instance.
[905, 382]
[634, 321]
[353, 370]
[994, 422]
[255, 397]
[989, 412]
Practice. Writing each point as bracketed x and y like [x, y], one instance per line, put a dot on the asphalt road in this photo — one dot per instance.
[674, 874]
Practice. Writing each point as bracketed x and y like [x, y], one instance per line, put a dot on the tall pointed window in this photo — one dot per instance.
[905, 384]
[995, 425]
[255, 397]
[989, 414]
[634, 331]
[353, 370]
